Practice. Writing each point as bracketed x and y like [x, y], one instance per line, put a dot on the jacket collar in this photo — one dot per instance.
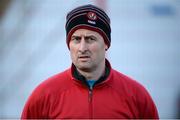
[75, 74]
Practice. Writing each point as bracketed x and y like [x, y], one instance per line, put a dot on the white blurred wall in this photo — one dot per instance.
[145, 46]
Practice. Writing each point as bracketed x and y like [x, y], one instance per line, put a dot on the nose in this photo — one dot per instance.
[83, 45]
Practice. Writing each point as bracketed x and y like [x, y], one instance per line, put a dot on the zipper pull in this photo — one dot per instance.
[91, 88]
[90, 95]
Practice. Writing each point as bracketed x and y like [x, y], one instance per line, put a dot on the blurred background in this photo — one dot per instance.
[145, 46]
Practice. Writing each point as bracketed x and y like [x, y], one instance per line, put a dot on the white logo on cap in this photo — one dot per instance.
[92, 15]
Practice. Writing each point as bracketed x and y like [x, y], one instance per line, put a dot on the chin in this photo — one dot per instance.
[84, 68]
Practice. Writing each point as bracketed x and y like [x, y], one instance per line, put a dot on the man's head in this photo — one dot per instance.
[87, 50]
[88, 17]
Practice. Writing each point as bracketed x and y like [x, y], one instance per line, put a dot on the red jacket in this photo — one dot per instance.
[63, 96]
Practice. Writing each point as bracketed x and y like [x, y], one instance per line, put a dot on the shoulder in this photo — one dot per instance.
[58, 82]
[127, 85]
[51, 87]
[124, 80]
[135, 93]
[45, 95]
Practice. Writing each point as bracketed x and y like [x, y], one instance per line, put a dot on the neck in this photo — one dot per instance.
[95, 73]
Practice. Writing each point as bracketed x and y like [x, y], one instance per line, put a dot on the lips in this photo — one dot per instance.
[83, 57]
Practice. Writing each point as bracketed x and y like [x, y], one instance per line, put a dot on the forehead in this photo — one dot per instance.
[86, 32]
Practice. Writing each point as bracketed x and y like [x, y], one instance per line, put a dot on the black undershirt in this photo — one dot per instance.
[80, 77]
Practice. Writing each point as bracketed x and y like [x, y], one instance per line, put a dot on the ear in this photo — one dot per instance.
[106, 47]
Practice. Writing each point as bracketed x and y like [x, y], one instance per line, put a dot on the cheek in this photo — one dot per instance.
[73, 54]
[98, 51]
[99, 47]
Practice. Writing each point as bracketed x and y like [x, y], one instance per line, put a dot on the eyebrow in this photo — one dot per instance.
[87, 36]
[74, 36]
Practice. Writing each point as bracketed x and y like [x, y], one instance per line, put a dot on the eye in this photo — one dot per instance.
[76, 39]
[90, 39]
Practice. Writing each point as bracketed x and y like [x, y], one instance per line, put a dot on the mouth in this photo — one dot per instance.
[84, 58]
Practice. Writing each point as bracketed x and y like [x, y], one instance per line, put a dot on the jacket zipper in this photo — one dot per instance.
[90, 103]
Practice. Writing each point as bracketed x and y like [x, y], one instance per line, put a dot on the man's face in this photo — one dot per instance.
[87, 49]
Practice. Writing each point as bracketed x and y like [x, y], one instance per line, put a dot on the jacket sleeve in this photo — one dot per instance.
[146, 105]
[36, 106]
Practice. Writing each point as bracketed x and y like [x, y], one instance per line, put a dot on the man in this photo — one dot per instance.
[90, 88]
